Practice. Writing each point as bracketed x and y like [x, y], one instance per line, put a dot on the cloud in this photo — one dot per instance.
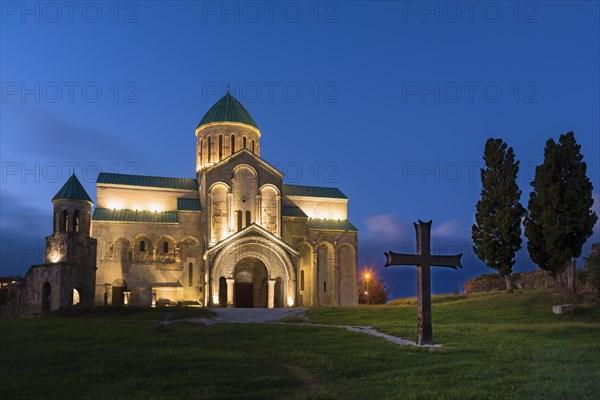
[450, 229]
[383, 226]
[20, 215]
[59, 138]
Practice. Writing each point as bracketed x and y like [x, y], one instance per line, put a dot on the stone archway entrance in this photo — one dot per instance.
[250, 287]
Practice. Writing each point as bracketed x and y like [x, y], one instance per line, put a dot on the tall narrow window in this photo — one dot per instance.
[165, 247]
[239, 219]
[248, 218]
[200, 151]
[253, 145]
[325, 286]
[142, 246]
[190, 274]
[76, 221]
[64, 223]
[220, 147]
[222, 292]
[209, 148]
[244, 142]
[232, 144]
[302, 280]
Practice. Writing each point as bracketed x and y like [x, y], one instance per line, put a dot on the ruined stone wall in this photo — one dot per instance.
[32, 299]
[526, 280]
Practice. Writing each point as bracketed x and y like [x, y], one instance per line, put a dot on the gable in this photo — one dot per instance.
[250, 230]
[223, 171]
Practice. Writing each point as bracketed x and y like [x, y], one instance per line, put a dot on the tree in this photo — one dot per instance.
[592, 267]
[378, 293]
[497, 230]
[559, 219]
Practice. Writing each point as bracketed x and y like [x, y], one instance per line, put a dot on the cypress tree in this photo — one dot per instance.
[559, 219]
[497, 231]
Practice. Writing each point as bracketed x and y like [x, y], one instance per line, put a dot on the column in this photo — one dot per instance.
[258, 217]
[315, 271]
[271, 293]
[279, 218]
[126, 297]
[230, 282]
[337, 277]
[231, 227]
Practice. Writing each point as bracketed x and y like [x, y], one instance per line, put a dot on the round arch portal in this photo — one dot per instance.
[254, 256]
[250, 285]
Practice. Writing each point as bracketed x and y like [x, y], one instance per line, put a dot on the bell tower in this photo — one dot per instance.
[67, 279]
[70, 240]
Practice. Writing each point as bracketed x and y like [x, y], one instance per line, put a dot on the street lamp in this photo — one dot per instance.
[367, 276]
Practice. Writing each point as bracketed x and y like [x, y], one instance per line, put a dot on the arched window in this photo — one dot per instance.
[142, 246]
[200, 151]
[248, 217]
[302, 280]
[190, 274]
[76, 297]
[165, 247]
[232, 144]
[209, 148]
[238, 214]
[220, 147]
[222, 292]
[76, 221]
[325, 286]
[64, 224]
[253, 145]
[244, 145]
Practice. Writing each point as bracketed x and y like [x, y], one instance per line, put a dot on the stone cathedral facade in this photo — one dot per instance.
[235, 236]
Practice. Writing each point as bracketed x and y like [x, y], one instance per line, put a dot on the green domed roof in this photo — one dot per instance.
[228, 109]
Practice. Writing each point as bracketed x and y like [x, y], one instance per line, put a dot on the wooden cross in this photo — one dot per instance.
[423, 260]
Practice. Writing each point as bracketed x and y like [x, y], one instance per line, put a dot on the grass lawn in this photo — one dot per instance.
[495, 346]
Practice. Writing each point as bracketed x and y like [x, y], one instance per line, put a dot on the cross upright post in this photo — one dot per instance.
[423, 260]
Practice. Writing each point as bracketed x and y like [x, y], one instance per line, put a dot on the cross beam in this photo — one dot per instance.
[423, 260]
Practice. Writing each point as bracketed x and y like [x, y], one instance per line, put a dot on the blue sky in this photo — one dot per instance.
[390, 101]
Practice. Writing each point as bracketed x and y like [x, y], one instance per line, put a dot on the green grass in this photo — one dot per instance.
[495, 346]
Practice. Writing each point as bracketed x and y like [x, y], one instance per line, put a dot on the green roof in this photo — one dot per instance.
[290, 211]
[228, 109]
[145, 180]
[330, 225]
[106, 214]
[73, 190]
[188, 204]
[313, 191]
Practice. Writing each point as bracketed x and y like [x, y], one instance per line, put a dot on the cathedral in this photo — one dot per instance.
[236, 236]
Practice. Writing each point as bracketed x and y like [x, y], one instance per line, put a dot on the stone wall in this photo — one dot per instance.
[525, 280]
[49, 287]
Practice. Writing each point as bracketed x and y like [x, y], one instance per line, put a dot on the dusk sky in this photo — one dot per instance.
[392, 102]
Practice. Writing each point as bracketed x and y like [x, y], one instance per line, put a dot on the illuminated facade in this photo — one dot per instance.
[234, 236]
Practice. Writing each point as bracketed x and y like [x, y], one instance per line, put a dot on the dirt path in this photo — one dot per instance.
[275, 315]
[248, 315]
